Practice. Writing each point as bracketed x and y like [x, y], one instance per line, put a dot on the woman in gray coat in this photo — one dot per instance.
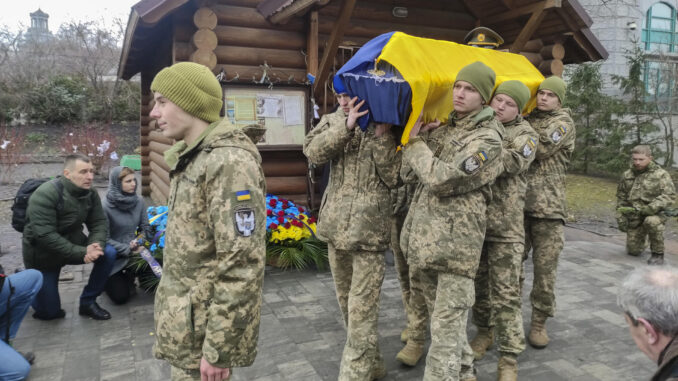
[126, 215]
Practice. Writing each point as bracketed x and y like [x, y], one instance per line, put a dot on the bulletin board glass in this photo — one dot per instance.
[283, 111]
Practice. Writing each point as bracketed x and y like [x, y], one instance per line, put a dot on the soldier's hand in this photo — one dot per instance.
[209, 372]
[354, 112]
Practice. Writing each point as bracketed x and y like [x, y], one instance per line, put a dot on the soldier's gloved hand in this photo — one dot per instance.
[626, 210]
[623, 224]
[646, 211]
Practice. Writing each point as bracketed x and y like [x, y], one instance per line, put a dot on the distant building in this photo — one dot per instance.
[39, 29]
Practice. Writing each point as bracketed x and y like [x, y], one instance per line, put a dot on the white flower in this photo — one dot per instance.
[114, 155]
[75, 149]
[103, 147]
[70, 134]
[5, 143]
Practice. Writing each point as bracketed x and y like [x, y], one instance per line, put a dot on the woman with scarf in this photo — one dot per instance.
[126, 214]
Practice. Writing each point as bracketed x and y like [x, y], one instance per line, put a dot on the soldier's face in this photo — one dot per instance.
[547, 100]
[505, 108]
[466, 98]
[343, 100]
[81, 174]
[640, 161]
[174, 122]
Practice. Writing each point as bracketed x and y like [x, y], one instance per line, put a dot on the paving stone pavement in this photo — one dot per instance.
[302, 335]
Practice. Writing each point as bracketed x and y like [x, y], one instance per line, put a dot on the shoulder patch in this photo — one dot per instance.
[529, 147]
[474, 162]
[242, 195]
[558, 134]
[244, 221]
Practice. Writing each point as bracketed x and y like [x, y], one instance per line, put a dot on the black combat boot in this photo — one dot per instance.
[656, 259]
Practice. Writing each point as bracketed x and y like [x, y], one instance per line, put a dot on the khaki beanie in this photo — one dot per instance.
[480, 76]
[191, 86]
[516, 90]
[555, 84]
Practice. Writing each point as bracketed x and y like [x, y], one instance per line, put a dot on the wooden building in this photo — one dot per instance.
[262, 51]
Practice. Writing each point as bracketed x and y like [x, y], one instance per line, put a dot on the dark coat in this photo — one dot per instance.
[54, 238]
[668, 364]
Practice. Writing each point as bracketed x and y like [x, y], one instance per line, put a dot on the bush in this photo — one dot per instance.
[62, 99]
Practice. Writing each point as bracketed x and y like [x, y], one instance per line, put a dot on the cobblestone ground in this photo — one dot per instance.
[302, 335]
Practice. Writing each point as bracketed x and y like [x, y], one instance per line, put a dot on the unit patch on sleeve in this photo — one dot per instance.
[244, 221]
[242, 195]
[529, 147]
[474, 162]
[558, 134]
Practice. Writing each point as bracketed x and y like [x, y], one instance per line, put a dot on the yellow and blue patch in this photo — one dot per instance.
[242, 195]
[482, 156]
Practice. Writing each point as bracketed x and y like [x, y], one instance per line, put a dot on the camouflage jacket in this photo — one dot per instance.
[651, 187]
[455, 165]
[209, 298]
[356, 211]
[505, 212]
[545, 196]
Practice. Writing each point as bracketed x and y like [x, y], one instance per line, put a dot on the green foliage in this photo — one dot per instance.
[36, 137]
[298, 254]
[62, 99]
[147, 279]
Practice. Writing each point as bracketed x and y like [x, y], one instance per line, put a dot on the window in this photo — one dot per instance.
[660, 83]
[659, 33]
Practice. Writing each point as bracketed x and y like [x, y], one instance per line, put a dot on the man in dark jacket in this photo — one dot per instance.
[54, 237]
[649, 298]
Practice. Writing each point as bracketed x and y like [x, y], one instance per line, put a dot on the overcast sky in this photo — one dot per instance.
[15, 14]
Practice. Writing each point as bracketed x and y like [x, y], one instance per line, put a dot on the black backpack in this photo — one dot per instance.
[24, 193]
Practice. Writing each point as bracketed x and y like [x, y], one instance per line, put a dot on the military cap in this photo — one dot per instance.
[483, 37]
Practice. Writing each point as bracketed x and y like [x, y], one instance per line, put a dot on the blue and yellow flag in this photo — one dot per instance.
[423, 76]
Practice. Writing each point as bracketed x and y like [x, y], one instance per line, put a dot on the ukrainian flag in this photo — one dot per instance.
[243, 195]
[417, 74]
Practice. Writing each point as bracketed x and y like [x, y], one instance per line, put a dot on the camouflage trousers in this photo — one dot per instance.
[636, 238]
[546, 238]
[358, 276]
[498, 295]
[448, 298]
[414, 303]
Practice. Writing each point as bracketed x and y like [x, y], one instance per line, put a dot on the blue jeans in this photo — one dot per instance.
[48, 303]
[26, 285]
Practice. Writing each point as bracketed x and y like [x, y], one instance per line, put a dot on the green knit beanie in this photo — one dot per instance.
[555, 84]
[480, 76]
[516, 90]
[191, 86]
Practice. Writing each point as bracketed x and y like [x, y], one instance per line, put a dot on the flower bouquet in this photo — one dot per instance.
[147, 262]
[290, 236]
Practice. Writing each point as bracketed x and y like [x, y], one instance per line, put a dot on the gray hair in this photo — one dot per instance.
[651, 292]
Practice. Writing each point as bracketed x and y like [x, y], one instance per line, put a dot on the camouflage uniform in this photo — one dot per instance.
[545, 202]
[498, 296]
[414, 303]
[443, 232]
[355, 220]
[649, 191]
[209, 298]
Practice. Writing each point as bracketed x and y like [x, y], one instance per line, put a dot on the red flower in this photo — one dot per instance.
[272, 226]
[287, 225]
[281, 220]
[269, 212]
[273, 202]
[301, 209]
[312, 220]
[281, 213]
[302, 217]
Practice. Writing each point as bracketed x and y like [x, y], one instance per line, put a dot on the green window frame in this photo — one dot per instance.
[660, 28]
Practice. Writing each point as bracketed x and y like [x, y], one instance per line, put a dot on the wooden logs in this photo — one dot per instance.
[533, 46]
[259, 38]
[554, 51]
[534, 58]
[159, 160]
[145, 190]
[205, 57]
[157, 181]
[205, 39]
[145, 180]
[145, 170]
[157, 136]
[554, 67]
[250, 17]
[205, 18]
[144, 139]
[160, 172]
[144, 130]
[286, 185]
[158, 147]
[284, 168]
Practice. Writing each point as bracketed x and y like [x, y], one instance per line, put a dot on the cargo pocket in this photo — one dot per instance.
[174, 327]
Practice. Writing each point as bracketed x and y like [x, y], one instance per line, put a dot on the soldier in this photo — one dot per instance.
[482, 37]
[443, 232]
[644, 192]
[545, 201]
[355, 221]
[207, 306]
[497, 284]
[414, 334]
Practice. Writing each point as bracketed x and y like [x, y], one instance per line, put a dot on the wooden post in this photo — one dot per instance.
[528, 30]
[330, 50]
[554, 51]
[312, 47]
[205, 40]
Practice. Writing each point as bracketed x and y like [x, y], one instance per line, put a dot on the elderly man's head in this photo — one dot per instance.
[649, 298]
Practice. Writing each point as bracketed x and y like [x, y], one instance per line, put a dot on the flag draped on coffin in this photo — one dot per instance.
[399, 75]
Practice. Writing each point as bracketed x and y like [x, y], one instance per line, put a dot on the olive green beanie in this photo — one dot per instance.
[516, 90]
[555, 84]
[480, 76]
[191, 86]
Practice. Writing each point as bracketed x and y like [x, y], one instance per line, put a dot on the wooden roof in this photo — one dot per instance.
[517, 21]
